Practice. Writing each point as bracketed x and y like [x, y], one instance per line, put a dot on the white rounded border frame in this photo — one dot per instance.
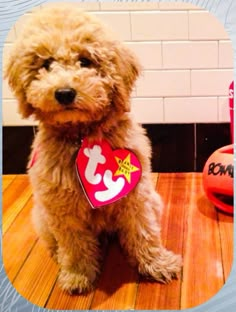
[10, 11]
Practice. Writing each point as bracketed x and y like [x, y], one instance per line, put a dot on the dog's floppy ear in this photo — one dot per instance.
[129, 66]
[14, 73]
[129, 69]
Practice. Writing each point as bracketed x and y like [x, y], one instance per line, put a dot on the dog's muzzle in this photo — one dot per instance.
[65, 96]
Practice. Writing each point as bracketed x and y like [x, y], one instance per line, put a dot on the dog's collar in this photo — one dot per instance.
[74, 138]
[72, 134]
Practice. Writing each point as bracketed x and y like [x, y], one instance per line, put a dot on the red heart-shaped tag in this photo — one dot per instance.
[106, 175]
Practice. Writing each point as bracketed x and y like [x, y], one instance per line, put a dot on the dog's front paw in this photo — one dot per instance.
[74, 282]
[53, 254]
[164, 268]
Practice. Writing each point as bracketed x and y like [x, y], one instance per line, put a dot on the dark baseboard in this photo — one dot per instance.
[176, 147]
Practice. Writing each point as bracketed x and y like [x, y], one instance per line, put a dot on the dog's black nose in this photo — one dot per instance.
[65, 96]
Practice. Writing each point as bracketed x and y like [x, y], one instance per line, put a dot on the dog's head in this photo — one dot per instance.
[66, 67]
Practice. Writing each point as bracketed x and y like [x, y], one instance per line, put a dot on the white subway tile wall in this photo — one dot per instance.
[186, 56]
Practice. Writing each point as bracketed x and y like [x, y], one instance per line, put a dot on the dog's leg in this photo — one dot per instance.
[42, 229]
[140, 236]
[78, 256]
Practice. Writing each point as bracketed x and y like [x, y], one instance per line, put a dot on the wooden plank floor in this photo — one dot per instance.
[190, 226]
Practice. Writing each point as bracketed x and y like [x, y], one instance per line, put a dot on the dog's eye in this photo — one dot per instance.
[47, 63]
[85, 62]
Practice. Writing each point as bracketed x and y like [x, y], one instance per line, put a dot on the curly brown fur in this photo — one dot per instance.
[64, 47]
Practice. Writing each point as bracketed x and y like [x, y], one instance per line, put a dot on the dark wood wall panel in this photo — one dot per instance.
[173, 147]
[176, 147]
[16, 148]
[209, 138]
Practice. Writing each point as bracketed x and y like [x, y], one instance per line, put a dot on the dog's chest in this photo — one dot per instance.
[55, 179]
[53, 163]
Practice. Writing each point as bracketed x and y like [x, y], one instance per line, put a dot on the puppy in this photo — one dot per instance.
[69, 73]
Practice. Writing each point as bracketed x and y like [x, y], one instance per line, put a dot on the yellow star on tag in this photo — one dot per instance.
[125, 167]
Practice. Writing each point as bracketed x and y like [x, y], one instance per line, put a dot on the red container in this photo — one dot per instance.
[218, 177]
[231, 109]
